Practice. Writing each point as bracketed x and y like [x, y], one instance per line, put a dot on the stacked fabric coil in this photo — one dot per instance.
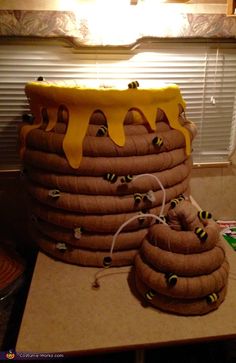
[76, 209]
[181, 267]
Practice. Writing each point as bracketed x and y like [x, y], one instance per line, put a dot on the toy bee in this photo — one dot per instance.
[157, 141]
[212, 298]
[138, 197]
[181, 197]
[127, 178]
[54, 193]
[61, 246]
[111, 177]
[204, 215]
[175, 201]
[107, 261]
[133, 84]
[150, 294]
[142, 213]
[171, 278]
[78, 232]
[202, 235]
[102, 131]
[40, 79]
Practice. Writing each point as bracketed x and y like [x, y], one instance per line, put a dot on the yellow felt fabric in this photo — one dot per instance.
[114, 103]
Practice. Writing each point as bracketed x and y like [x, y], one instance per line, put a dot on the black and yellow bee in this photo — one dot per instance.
[142, 218]
[54, 193]
[102, 131]
[127, 178]
[150, 294]
[204, 215]
[107, 261]
[157, 141]
[138, 197]
[61, 246]
[171, 278]
[212, 298]
[181, 197]
[111, 177]
[175, 201]
[202, 235]
[133, 84]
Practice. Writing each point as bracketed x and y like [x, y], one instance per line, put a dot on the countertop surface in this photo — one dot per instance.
[64, 313]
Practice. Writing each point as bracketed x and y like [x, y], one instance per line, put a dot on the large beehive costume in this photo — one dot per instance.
[82, 153]
[181, 267]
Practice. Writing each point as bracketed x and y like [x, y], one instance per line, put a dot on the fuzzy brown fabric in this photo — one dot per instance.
[81, 256]
[92, 223]
[103, 146]
[178, 306]
[98, 186]
[181, 266]
[90, 241]
[86, 197]
[186, 287]
[183, 241]
[193, 264]
[101, 204]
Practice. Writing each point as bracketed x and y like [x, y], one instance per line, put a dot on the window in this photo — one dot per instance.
[205, 72]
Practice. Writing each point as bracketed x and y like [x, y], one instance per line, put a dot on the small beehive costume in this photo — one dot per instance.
[181, 267]
[81, 154]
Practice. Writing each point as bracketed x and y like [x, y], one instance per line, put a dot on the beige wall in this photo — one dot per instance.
[215, 190]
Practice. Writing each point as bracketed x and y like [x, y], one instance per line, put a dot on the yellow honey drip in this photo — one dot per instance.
[114, 103]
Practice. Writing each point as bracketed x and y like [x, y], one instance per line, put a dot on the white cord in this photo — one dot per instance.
[162, 188]
[130, 220]
[146, 215]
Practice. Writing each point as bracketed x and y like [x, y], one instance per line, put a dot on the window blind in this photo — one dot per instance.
[205, 72]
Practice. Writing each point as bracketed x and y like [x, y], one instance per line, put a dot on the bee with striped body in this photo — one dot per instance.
[181, 197]
[150, 294]
[102, 131]
[54, 193]
[133, 84]
[127, 178]
[174, 202]
[212, 298]
[111, 177]
[138, 197]
[171, 278]
[107, 261]
[203, 215]
[202, 235]
[61, 246]
[157, 141]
